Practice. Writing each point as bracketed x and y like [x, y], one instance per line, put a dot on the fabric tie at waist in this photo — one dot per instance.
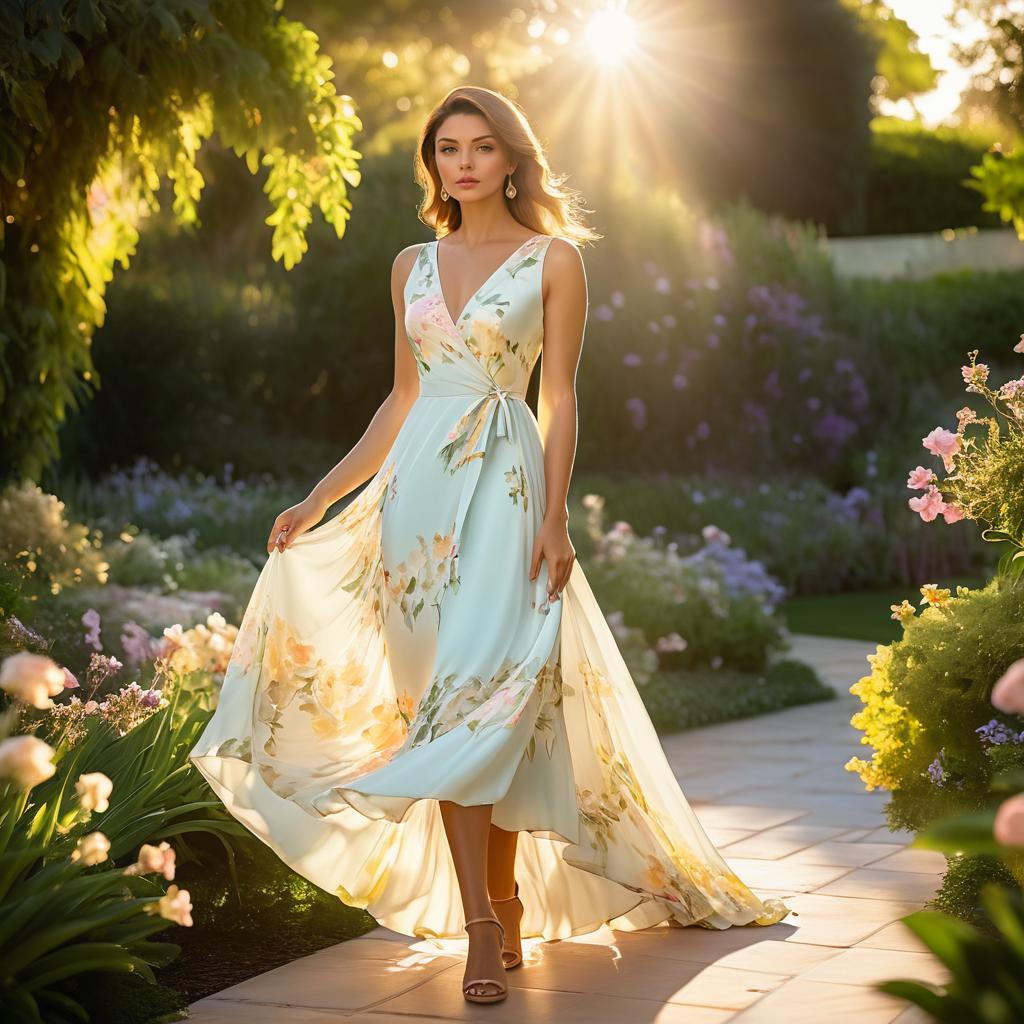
[496, 399]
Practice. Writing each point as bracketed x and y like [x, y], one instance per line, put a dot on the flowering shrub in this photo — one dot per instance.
[76, 898]
[714, 607]
[985, 469]
[726, 306]
[45, 549]
[928, 699]
[927, 711]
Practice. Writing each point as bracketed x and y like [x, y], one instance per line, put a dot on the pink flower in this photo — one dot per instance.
[929, 505]
[942, 442]
[920, 478]
[1019, 347]
[1008, 828]
[91, 621]
[952, 513]
[70, 682]
[1008, 693]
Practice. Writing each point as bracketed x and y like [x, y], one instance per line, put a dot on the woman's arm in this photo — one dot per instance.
[369, 452]
[565, 315]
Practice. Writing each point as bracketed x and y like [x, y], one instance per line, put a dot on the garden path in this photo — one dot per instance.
[772, 793]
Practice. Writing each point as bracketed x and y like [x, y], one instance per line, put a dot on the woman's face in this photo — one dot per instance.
[466, 148]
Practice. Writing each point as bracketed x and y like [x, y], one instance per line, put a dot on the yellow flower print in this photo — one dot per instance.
[388, 729]
[487, 341]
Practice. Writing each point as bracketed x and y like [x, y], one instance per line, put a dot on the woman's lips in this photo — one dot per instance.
[468, 181]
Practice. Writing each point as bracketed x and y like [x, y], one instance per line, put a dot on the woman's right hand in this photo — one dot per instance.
[292, 522]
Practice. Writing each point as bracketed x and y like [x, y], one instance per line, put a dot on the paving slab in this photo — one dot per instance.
[773, 796]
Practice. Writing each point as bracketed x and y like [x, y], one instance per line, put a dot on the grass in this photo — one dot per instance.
[859, 615]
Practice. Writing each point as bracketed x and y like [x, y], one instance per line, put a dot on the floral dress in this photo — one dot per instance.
[399, 655]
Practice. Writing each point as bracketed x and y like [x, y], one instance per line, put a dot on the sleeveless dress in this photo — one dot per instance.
[398, 655]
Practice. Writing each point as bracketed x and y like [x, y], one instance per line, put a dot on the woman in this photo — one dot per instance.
[425, 710]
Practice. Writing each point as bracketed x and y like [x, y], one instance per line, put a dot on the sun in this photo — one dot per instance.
[611, 35]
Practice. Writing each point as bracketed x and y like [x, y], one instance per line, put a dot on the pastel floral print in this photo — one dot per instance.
[423, 576]
[516, 478]
[351, 706]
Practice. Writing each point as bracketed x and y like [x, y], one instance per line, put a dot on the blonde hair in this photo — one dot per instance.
[541, 202]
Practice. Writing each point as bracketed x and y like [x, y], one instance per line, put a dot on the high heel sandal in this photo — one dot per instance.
[488, 997]
[511, 956]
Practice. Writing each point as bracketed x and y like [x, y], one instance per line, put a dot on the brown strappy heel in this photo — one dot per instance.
[489, 997]
[511, 956]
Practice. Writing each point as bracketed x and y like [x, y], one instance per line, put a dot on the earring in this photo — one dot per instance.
[444, 194]
[510, 190]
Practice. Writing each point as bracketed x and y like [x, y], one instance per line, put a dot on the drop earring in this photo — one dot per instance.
[510, 189]
[444, 194]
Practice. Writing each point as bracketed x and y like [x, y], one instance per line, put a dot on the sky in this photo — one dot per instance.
[928, 19]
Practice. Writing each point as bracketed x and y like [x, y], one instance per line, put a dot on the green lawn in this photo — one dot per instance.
[862, 615]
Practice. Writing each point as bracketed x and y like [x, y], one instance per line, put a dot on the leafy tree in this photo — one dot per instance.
[101, 102]
[903, 70]
[1000, 51]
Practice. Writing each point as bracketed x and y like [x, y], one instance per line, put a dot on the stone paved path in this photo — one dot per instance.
[772, 794]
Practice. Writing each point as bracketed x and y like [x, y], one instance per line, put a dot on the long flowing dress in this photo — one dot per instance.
[398, 655]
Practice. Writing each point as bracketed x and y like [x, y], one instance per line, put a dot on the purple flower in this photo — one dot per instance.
[632, 359]
[995, 733]
[638, 410]
[936, 772]
[834, 429]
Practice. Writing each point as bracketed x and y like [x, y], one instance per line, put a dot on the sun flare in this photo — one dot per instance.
[611, 35]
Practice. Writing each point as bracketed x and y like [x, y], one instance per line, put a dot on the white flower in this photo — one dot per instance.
[216, 621]
[154, 858]
[174, 905]
[33, 678]
[91, 849]
[671, 642]
[27, 760]
[94, 789]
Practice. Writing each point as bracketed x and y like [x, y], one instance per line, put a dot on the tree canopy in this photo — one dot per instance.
[103, 103]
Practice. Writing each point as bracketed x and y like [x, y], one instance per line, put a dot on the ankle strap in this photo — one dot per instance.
[493, 920]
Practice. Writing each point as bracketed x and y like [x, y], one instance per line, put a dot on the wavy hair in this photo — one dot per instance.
[542, 203]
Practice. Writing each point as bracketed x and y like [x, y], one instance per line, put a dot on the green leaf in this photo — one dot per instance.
[46, 46]
[969, 832]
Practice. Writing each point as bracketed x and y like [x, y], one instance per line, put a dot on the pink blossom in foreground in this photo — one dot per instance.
[33, 678]
[943, 443]
[1008, 827]
[920, 478]
[929, 505]
[1008, 693]
[26, 760]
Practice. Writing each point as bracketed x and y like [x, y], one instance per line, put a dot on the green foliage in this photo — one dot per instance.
[688, 700]
[920, 177]
[929, 691]
[904, 70]
[987, 970]
[135, 87]
[1000, 179]
[61, 917]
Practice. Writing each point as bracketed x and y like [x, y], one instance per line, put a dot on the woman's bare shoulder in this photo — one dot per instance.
[405, 260]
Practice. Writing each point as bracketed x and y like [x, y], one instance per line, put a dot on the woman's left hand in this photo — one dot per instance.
[553, 546]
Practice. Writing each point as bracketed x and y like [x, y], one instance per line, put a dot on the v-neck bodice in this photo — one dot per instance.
[497, 270]
[498, 336]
